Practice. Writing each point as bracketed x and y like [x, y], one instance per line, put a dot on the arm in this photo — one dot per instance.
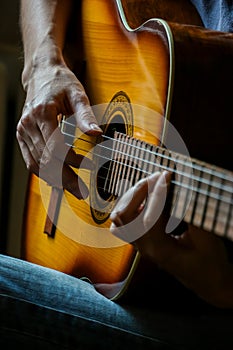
[197, 258]
[51, 89]
[45, 22]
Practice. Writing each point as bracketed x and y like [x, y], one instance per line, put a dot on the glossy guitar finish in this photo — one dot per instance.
[174, 71]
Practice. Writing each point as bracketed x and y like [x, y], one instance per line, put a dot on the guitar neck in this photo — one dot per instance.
[202, 193]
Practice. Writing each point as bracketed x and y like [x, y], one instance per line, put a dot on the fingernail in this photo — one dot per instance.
[95, 127]
[167, 175]
[116, 219]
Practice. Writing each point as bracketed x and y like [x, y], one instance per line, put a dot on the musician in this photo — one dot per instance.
[41, 307]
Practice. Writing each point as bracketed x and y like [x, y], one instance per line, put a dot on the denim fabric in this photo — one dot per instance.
[216, 15]
[43, 308]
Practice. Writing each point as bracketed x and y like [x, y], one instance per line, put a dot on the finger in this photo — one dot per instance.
[35, 127]
[31, 163]
[36, 144]
[85, 118]
[127, 207]
[156, 201]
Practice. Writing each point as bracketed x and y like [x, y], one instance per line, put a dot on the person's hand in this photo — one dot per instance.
[53, 90]
[196, 258]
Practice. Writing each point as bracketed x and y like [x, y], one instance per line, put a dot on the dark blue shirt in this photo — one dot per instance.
[216, 14]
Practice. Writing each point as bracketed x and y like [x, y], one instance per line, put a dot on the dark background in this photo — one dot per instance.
[13, 173]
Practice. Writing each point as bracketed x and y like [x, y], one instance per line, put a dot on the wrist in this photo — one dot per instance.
[45, 57]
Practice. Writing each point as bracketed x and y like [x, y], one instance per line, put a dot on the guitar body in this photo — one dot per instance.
[150, 74]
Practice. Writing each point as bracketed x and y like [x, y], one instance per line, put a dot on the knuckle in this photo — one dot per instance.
[82, 97]
[25, 122]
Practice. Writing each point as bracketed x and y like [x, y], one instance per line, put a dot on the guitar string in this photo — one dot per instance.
[212, 195]
[213, 184]
[201, 191]
[192, 165]
[211, 171]
[222, 209]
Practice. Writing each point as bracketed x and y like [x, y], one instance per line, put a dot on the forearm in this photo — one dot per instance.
[43, 27]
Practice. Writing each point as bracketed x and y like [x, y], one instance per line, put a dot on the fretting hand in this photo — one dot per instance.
[196, 258]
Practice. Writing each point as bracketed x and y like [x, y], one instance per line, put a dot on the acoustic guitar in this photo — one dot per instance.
[162, 91]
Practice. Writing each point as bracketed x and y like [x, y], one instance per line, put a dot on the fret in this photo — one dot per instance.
[151, 159]
[159, 159]
[180, 192]
[199, 206]
[213, 204]
[223, 208]
[134, 170]
[145, 161]
[144, 169]
[138, 161]
[148, 164]
[195, 218]
[188, 187]
[209, 178]
[202, 193]
[229, 220]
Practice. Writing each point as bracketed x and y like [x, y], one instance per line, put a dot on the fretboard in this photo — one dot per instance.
[202, 193]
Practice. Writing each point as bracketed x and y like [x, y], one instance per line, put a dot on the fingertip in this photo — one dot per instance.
[94, 129]
[116, 219]
[167, 175]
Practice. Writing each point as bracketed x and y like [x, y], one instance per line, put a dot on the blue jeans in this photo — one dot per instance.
[45, 309]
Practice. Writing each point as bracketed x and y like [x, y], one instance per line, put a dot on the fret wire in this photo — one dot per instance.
[228, 218]
[197, 196]
[198, 167]
[217, 215]
[212, 195]
[203, 193]
[222, 212]
[206, 204]
[177, 196]
[138, 152]
[191, 164]
[133, 168]
[198, 179]
[173, 181]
